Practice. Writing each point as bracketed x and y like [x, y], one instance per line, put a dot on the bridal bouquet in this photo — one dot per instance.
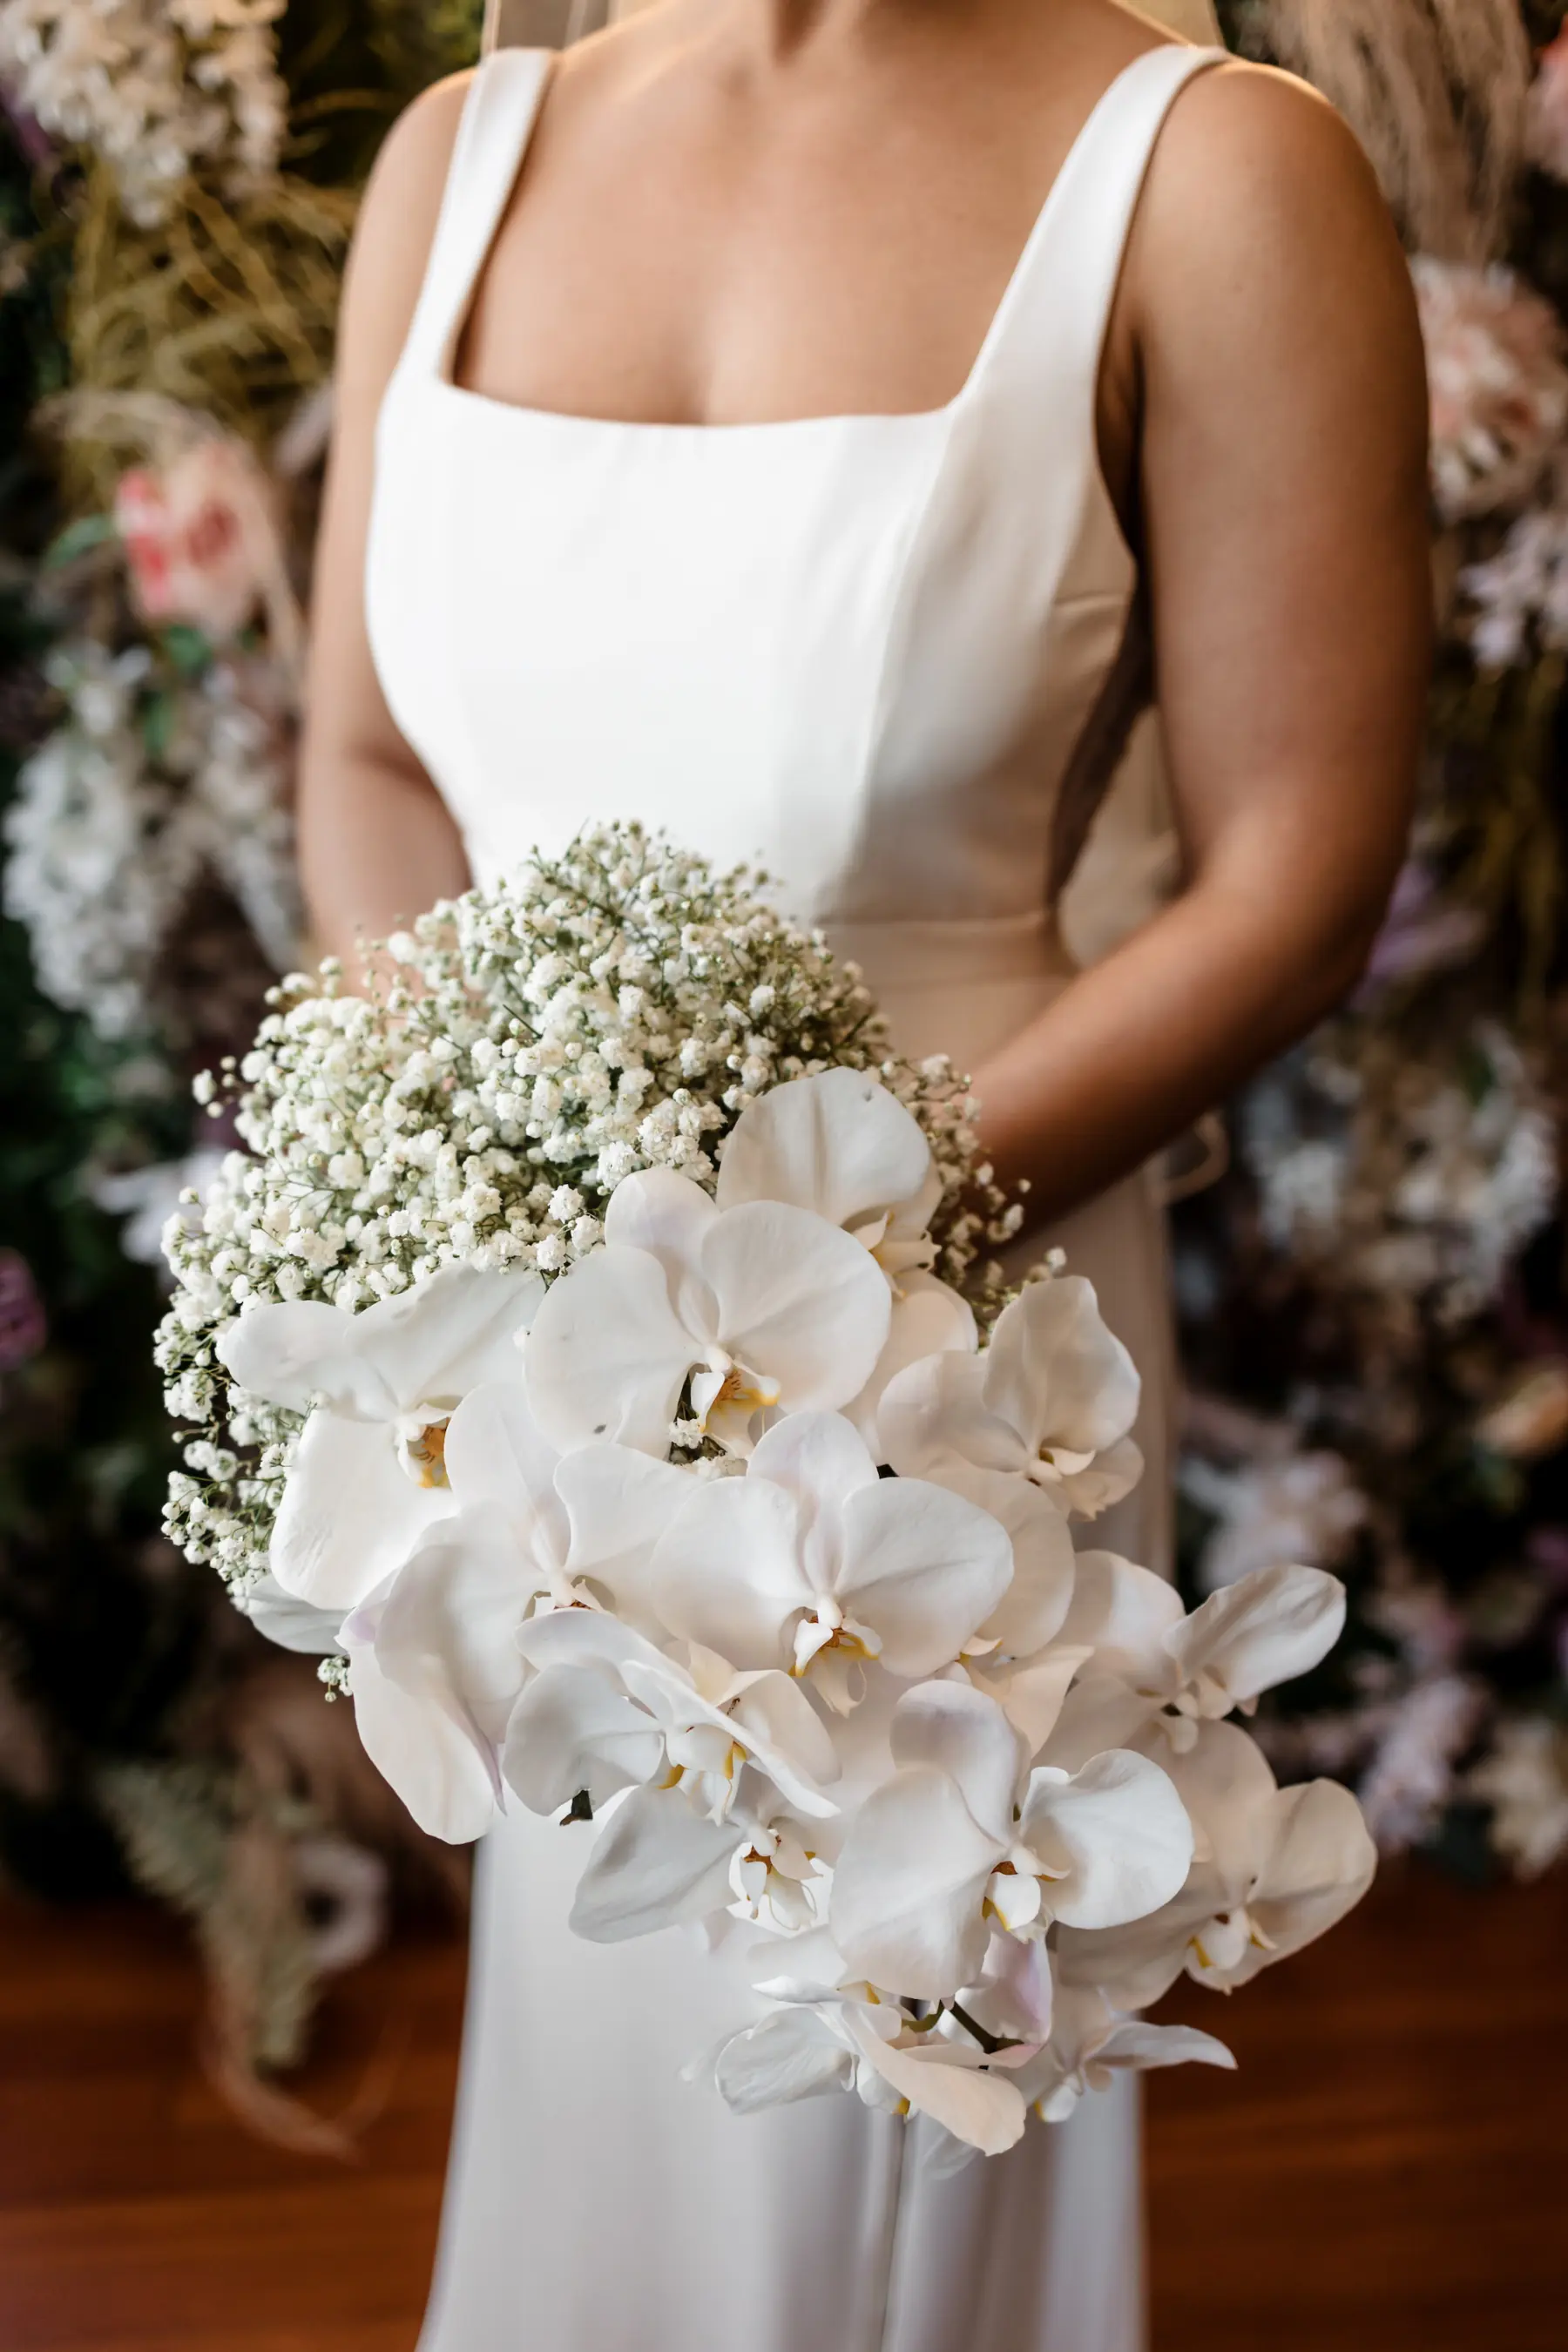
[582, 1360]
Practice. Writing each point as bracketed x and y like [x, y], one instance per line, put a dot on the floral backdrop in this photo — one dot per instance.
[1373, 1295]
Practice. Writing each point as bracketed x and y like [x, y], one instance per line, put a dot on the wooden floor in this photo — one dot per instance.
[1387, 2174]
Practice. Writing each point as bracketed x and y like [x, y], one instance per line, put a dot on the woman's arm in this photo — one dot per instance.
[376, 845]
[1267, 323]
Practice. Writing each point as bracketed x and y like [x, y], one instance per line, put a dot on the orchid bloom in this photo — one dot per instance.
[850, 2039]
[606, 1712]
[1048, 1406]
[435, 1668]
[777, 1878]
[1265, 1629]
[965, 1832]
[1090, 2044]
[1279, 1868]
[766, 1309]
[812, 1563]
[841, 1146]
[378, 1388]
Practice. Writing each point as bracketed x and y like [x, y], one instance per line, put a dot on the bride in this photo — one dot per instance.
[811, 425]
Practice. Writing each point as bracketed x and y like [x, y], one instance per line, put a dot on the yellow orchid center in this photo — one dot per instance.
[424, 1454]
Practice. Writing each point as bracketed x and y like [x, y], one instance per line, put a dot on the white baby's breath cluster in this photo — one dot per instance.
[155, 88]
[737, 1539]
[150, 781]
[520, 1052]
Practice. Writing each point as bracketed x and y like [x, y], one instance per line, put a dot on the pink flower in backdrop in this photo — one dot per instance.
[23, 1328]
[1546, 138]
[202, 537]
[1495, 355]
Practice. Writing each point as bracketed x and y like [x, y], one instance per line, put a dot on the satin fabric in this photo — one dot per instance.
[861, 650]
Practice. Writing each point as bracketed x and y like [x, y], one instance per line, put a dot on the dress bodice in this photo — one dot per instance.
[862, 650]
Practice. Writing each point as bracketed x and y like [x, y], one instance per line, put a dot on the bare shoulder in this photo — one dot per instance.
[396, 225]
[1264, 252]
[1257, 174]
[1253, 137]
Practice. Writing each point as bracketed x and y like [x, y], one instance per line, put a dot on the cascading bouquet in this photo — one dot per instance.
[580, 1360]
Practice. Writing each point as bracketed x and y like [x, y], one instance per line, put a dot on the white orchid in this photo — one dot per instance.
[1264, 1630]
[1090, 2043]
[766, 1309]
[812, 1563]
[965, 1832]
[850, 2039]
[841, 1146]
[778, 1880]
[1278, 1868]
[1049, 1403]
[605, 1711]
[434, 1666]
[379, 1388]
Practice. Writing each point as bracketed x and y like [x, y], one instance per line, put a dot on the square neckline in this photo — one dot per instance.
[445, 381]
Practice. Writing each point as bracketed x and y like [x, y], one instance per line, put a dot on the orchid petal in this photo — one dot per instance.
[929, 1319]
[1104, 1481]
[608, 1356]
[1056, 1374]
[726, 1574]
[450, 1614]
[295, 1351]
[617, 1503]
[837, 1143]
[667, 1216]
[924, 1567]
[777, 1721]
[1033, 1608]
[978, 2106]
[798, 1300]
[445, 1336]
[1118, 1834]
[292, 1623]
[1015, 1998]
[906, 1904]
[1265, 1629]
[350, 1514]
[1323, 1863]
[966, 1735]
[655, 1864]
[1135, 2043]
[819, 1456]
[1032, 1696]
[421, 1739]
[933, 1419]
[575, 1729]
[790, 2055]
[496, 1454]
[454, 1331]
[1128, 1617]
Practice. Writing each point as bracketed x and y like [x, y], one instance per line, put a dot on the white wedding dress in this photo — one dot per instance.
[877, 654]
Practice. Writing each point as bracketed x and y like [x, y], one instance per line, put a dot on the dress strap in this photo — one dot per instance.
[497, 122]
[1054, 316]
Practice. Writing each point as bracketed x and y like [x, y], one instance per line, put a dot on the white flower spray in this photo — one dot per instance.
[526, 1049]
